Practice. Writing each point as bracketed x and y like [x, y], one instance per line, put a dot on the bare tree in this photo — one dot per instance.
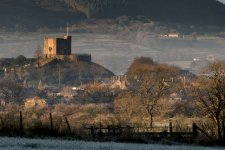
[151, 82]
[210, 91]
[129, 109]
[99, 93]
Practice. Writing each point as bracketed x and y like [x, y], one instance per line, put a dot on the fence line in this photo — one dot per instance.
[51, 126]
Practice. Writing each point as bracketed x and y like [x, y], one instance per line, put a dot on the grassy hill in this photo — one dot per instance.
[70, 73]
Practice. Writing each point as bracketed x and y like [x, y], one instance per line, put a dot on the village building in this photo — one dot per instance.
[2, 104]
[120, 82]
[171, 35]
[68, 92]
[35, 102]
[40, 85]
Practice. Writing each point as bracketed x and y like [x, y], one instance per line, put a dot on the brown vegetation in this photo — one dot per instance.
[210, 92]
[157, 96]
[151, 82]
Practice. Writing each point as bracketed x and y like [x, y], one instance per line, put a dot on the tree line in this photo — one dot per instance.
[147, 98]
[151, 81]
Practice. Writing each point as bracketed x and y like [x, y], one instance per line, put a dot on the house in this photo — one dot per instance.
[2, 104]
[35, 102]
[171, 35]
[119, 82]
[68, 92]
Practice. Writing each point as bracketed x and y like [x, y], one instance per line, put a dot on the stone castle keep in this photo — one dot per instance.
[60, 47]
[57, 46]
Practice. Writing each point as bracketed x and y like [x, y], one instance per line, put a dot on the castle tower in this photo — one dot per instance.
[58, 46]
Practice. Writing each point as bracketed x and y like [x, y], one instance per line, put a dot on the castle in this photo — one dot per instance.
[57, 46]
[60, 47]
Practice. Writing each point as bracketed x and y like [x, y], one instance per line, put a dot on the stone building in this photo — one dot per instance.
[35, 102]
[60, 47]
[120, 82]
[57, 46]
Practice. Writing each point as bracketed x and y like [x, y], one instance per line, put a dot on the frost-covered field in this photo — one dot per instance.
[46, 144]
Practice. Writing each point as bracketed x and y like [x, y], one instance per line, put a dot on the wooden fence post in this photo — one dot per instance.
[2, 124]
[194, 129]
[21, 123]
[223, 126]
[51, 122]
[100, 129]
[68, 126]
[170, 127]
[92, 131]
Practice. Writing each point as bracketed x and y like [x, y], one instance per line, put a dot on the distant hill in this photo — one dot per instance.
[23, 15]
[26, 15]
[199, 12]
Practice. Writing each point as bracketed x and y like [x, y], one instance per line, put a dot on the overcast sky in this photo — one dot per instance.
[222, 1]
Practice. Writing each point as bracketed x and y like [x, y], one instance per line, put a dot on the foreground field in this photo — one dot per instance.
[47, 144]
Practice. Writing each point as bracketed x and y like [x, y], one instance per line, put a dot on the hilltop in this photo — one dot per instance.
[70, 73]
[38, 15]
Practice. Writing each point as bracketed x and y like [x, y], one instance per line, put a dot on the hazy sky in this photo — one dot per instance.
[222, 1]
